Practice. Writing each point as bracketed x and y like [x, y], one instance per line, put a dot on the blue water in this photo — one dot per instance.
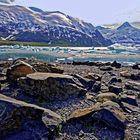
[14, 52]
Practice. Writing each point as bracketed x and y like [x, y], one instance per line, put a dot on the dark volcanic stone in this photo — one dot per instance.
[130, 100]
[116, 64]
[114, 80]
[115, 89]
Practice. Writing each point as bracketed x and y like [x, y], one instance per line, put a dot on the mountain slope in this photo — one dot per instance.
[33, 24]
[125, 33]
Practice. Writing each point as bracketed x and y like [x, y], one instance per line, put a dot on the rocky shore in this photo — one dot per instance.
[73, 101]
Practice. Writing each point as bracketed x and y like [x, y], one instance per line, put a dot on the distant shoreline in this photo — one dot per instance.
[35, 44]
[39, 44]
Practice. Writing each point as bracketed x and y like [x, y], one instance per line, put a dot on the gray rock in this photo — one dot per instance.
[132, 85]
[87, 83]
[52, 86]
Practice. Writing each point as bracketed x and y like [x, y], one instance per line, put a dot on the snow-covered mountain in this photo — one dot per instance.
[125, 33]
[35, 25]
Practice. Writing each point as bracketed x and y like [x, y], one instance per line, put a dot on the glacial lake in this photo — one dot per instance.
[69, 54]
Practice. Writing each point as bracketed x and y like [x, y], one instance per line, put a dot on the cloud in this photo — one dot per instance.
[7, 1]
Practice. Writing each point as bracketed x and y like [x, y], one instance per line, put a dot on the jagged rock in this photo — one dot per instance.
[102, 97]
[14, 114]
[87, 83]
[106, 68]
[19, 69]
[94, 76]
[130, 99]
[52, 86]
[132, 85]
[115, 89]
[90, 85]
[116, 64]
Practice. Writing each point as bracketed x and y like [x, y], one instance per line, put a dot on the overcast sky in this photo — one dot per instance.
[95, 11]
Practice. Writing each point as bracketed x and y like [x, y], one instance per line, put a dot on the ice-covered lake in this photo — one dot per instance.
[122, 54]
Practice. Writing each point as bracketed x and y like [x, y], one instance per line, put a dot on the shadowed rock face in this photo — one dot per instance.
[108, 112]
[52, 86]
[15, 113]
[110, 118]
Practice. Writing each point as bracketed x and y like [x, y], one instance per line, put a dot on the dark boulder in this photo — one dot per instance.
[130, 99]
[115, 89]
[116, 64]
[115, 80]
[136, 66]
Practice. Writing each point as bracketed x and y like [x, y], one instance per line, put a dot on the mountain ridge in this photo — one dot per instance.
[32, 24]
[125, 33]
